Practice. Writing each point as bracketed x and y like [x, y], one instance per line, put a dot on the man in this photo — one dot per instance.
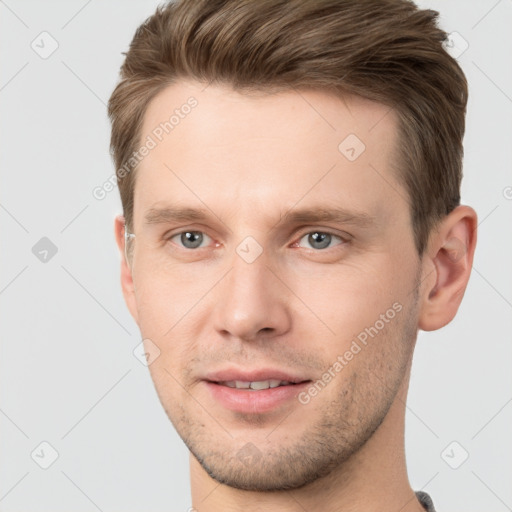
[290, 174]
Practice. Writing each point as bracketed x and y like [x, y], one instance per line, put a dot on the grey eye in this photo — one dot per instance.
[320, 239]
[190, 239]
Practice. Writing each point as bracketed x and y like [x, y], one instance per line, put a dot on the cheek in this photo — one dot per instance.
[171, 306]
[153, 304]
[360, 312]
[164, 295]
[349, 298]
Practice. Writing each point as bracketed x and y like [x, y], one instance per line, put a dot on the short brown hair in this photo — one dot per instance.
[388, 51]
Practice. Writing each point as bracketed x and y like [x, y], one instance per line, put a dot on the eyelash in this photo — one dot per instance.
[343, 240]
[342, 243]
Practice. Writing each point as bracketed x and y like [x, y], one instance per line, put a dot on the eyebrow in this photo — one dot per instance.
[336, 215]
[294, 216]
[162, 215]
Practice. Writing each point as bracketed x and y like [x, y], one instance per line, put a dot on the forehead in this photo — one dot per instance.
[211, 144]
[219, 111]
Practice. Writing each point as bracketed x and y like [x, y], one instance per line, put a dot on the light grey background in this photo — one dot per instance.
[67, 369]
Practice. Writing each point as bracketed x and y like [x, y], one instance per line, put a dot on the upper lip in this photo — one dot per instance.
[253, 375]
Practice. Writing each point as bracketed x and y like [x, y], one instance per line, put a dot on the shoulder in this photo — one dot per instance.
[426, 501]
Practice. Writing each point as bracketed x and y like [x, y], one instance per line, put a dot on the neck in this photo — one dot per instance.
[374, 479]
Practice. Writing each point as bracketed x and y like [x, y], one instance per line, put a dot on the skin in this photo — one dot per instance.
[249, 160]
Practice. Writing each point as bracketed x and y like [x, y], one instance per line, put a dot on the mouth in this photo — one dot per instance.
[256, 393]
[257, 385]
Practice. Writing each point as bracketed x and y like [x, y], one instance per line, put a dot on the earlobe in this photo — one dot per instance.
[127, 284]
[451, 257]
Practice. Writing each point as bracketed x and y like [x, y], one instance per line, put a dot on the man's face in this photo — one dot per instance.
[255, 287]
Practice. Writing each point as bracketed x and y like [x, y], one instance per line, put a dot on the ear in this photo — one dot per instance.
[449, 260]
[126, 273]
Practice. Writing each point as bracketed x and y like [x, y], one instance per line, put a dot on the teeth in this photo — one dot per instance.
[256, 385]
[261, 384]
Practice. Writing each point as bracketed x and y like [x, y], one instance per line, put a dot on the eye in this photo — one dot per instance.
[320, 239]
[190, 239]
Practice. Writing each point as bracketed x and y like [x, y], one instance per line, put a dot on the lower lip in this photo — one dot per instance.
[254, 401]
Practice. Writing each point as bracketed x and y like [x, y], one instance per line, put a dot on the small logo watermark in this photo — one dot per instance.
[455, 44]
[44, 250]
[249, 249]
[44, 45]
[146, 352]
[249, 454]
[455, 455]
[44, 455]
[351, 147]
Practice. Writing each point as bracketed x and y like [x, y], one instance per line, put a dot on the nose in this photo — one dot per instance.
[252, 302]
